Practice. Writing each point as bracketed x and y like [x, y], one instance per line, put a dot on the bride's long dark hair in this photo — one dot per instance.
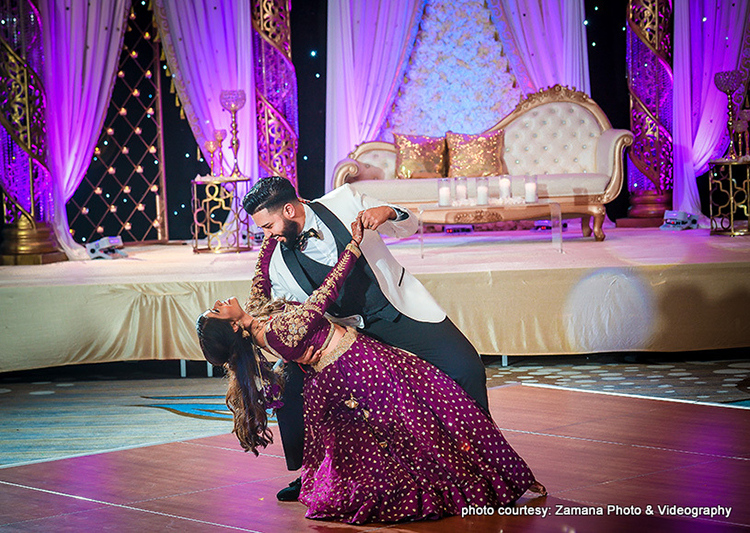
[242, 360]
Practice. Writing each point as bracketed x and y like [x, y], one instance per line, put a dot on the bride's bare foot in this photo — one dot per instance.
[538, 488]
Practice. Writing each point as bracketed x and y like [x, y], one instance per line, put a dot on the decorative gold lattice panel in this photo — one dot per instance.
[729, 197]
[123, 192]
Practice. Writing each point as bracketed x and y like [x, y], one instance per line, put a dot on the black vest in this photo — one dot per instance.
[360, 295]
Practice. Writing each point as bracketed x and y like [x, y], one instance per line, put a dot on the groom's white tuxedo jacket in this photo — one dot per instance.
[402, 289]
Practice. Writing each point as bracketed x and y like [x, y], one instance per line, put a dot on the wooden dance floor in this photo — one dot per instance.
[632, 464]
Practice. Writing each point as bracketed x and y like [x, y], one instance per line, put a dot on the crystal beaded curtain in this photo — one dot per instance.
[649, 59]
[24, 179]
[124, 191]
[275, 90]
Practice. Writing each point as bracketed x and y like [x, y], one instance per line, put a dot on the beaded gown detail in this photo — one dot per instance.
[388, 437]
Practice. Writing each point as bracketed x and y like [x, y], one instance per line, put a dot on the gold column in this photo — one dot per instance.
[650, 87]
[275, 90]
[25, 187]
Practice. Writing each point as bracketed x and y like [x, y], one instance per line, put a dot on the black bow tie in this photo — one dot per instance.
[301, 242]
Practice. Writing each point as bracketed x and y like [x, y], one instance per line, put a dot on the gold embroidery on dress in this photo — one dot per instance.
[343, 345]
[292, 325]
[331, 331]
[257, 296]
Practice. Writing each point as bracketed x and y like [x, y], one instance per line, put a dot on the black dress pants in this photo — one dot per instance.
[441, 344]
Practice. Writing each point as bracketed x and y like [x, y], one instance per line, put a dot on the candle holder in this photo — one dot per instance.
[505, 190]
[483, 191]
[444, 192]
[728, 82]
[741, 127]
[220, 135]
[233, 101]
[211, 146]
[462, 190]
[530, 190]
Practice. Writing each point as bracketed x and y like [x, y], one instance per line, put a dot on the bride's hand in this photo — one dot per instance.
[357, 229]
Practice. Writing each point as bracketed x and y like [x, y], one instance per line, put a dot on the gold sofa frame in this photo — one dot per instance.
[585, 206]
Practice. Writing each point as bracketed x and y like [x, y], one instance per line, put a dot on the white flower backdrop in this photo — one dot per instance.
[457, 78]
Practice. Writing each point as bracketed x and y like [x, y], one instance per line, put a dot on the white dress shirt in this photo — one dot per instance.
[402, 289]
[323, 250]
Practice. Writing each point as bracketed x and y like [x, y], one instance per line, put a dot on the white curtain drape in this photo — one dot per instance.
[208, 44]
[550, 38]
[82, 42]
[708, 37]
[369, 42]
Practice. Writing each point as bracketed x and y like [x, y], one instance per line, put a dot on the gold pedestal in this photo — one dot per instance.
[24, 243]
[729, 194]
[646, 209]
[219, 222]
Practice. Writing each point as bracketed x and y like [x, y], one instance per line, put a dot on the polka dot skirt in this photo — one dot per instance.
[390, 438]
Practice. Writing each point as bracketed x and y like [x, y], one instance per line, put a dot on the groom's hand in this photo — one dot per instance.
[372, 218]
[310, 357]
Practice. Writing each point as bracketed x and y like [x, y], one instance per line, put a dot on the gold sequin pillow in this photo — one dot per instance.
[476, 155]
[419, 156]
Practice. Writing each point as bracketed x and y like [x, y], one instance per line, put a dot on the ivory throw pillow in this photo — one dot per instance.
[419, 156]
[476, 155]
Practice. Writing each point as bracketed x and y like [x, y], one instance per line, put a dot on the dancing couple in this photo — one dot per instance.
[383, 401]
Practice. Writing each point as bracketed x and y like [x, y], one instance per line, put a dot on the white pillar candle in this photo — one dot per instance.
[482, 195]
[504, 187]
[530, 189]
[444, 195]
[461, 191]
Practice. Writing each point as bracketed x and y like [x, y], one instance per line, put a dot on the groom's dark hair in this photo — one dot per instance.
[269, 193]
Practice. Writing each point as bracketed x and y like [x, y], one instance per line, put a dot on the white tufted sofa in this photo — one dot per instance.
[558, 134]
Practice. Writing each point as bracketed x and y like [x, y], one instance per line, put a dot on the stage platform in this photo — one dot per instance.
[610, 463]
[512, 293]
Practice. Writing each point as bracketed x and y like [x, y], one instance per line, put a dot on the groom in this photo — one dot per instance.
[379, 298]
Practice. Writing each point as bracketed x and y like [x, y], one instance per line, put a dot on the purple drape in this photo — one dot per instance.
[368, 46]
[82, 42]
[208, 44]
[708, 38]
[549, 37]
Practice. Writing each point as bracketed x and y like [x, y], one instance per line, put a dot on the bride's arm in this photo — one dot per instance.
[287, 330]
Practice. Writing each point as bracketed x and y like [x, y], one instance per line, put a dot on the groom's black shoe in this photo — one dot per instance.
[290, 493]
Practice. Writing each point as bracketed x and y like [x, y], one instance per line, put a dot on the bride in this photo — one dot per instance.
[388, 437]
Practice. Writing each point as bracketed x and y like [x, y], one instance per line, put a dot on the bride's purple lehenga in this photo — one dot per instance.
[388, 437]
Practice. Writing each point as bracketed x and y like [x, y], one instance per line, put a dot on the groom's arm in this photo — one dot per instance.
[389, 219]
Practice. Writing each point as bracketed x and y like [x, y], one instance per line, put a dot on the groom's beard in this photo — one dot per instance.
[289, 234]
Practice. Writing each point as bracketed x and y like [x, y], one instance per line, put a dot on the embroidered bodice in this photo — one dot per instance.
[289, 333]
